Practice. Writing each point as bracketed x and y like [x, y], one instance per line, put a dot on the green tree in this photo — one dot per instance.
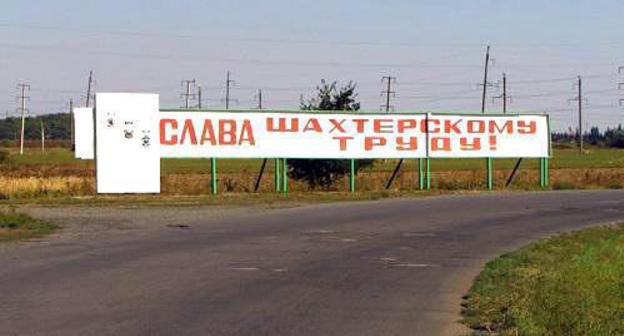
[323, 173]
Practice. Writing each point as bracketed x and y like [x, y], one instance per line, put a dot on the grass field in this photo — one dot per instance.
[57, 174]
[15, 226]
[562, 158]
[572, 284]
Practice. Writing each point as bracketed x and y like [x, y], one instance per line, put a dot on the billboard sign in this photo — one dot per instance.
[351, 136]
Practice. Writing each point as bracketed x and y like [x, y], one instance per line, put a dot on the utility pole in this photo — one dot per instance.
[485, 79]
[580, 100]
[72, 136]
[504, 93]
[388, 91]
[42, 137]
[488, 161]
[264, 161]
[259, 99]
[621, 84]
[389, 80]
[89, 88]
[506, 98]
[580, 112]
[23, 97]
[188, 93]
[199, 97]
[228, 83]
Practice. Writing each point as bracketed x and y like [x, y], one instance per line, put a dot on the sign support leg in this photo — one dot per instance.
[542, 182]
[546, 173]
[428, 174]
[489, 174]
[259, 179]
[352, 177]
[513, 173]
[421, 179]
[277, 176]
[544, 178]
[213, 176]
[394, 174]
[285, 176]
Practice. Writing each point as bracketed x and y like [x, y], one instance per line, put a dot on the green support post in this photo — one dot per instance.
[352, 177]
[213, 176]
[285, 176]
[428, 174]
[546, 173]
[541, 172]
[277, 176]
[421, 177]
[489, 174]
[544, 178]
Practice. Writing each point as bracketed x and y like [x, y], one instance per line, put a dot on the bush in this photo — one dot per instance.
[323, 173]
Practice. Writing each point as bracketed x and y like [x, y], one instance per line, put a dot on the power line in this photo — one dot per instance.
[233, 39]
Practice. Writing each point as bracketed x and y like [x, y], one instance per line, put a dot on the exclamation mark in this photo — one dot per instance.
[493, 142]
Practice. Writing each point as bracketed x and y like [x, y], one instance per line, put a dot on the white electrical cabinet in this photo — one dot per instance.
[127, 148]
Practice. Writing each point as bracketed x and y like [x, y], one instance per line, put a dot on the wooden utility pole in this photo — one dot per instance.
[485, 79]
[89, 87]
[264, 161]
[22, 88]
[488, 161]
[72, 136]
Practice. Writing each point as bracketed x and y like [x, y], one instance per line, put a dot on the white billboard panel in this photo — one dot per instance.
[355, 136]
[83, 133]
[127, 147]
[478, 136]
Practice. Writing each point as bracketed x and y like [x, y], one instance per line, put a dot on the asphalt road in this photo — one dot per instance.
[394, 267]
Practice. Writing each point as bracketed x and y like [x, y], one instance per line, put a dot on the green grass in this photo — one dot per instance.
[571, 284]
[15, 226]
[562, 158]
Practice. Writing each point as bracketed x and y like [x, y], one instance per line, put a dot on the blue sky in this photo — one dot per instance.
[434, 48]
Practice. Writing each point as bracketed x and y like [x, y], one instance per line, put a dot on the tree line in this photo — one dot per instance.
[57, 127]
[611, 137]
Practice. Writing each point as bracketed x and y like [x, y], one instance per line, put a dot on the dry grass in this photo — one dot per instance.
[33, 187]
[43, 184]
